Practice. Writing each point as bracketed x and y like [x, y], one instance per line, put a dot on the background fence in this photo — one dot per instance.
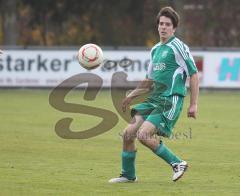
[48, 68]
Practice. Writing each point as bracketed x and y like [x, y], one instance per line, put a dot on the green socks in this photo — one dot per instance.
[166, 154]
[128, 160]
[128, 164]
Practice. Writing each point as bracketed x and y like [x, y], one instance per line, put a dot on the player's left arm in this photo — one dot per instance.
[192, 72]
[194, 91]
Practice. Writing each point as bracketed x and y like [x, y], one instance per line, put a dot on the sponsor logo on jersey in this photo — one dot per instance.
[159, 67]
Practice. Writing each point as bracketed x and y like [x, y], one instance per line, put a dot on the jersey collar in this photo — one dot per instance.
[169, 40]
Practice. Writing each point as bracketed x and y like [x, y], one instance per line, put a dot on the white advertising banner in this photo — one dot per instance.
[48, 68]
[221, 69]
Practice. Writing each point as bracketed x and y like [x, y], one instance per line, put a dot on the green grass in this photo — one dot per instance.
[35, 161]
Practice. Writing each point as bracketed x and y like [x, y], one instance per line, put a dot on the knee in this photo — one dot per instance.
[128, 136]
[143, 136]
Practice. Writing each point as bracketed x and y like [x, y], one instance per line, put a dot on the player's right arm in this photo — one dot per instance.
[143, 87]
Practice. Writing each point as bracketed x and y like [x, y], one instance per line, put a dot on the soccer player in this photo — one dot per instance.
[171, 63]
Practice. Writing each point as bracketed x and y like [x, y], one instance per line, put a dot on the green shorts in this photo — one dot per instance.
[163, 114]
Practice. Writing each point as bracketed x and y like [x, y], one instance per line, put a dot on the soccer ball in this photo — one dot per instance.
[90, 56]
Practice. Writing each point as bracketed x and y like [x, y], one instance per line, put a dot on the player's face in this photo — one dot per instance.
[165, 28]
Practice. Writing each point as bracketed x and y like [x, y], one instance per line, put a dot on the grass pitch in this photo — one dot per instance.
[35, 161]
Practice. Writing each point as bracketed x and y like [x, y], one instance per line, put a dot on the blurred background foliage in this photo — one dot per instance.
[204, 23]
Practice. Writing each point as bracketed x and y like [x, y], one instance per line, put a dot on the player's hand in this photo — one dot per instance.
[192, 111]
[125, 103]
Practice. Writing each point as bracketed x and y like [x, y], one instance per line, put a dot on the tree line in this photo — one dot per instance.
[116, 23]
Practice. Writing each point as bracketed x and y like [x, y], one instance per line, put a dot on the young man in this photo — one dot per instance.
[171, 63]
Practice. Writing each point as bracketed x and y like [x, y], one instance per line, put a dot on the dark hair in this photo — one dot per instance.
[170, 13]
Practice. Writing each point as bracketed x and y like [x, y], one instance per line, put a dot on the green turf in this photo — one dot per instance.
[35, 161]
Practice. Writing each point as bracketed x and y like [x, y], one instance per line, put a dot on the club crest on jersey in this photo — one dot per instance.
[164, 54]
[159, 67]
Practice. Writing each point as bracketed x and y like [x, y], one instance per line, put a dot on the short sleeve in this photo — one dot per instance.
[150, 71]
[191, 66]
[184, 57]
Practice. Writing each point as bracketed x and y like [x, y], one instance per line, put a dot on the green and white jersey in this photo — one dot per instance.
[169, 66]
